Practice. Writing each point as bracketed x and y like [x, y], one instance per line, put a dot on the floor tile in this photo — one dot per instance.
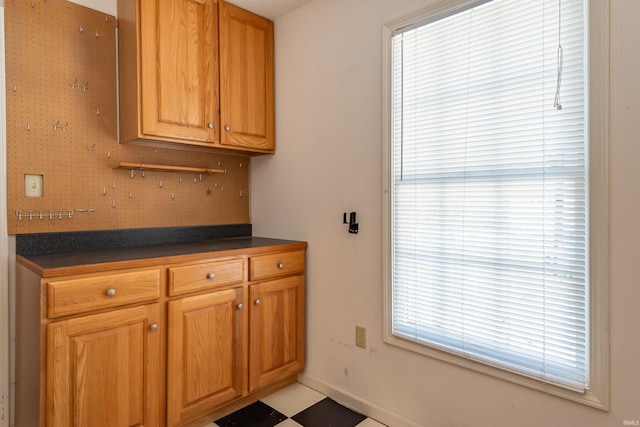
[288, 423]
[328, 413]
[369, 422]
[293, 399]
[257, 414]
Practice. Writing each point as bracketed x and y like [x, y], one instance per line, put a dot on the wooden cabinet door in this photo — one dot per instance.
[179, 67]
[246, 79]
[276, 330]
[104, 369]
[205, 353]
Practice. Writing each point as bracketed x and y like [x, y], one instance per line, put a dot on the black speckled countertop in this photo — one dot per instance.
[98, 256]
[75, 241]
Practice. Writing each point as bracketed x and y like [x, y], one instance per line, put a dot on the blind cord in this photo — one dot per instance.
[556, 101]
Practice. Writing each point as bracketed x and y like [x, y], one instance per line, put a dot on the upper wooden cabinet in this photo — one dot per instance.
[246, 79]
[198, 73]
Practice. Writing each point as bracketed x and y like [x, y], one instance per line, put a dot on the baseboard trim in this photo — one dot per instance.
[354, 402]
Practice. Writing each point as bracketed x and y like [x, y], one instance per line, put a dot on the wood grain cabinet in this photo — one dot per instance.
[276, 317]
[230, 343]
[196, 73]
[104, 369]
[246, 80]
[90, 347]
[276, 330]
[205, 353]
[175, 341]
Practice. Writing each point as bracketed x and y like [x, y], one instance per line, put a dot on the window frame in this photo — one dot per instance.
[597, 395]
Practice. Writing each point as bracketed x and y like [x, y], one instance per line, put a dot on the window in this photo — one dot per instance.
[495, 190]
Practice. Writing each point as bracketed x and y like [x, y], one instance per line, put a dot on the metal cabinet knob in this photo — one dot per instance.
[211, 276]
[227, 128]
[239, 306]
[210, 125]
[258, 302]
[280, 265]
[153, 327]
[111, 292]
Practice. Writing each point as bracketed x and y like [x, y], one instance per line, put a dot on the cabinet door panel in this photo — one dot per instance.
[104, 369]
[246, 79]
[180, 69]
[276, 330]
[205, 353]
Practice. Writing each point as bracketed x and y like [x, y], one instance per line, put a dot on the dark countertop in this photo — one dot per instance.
[77, 262]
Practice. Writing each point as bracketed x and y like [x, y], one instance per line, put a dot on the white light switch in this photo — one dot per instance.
[33, 185]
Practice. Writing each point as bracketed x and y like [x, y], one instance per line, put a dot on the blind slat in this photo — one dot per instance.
[489, 194]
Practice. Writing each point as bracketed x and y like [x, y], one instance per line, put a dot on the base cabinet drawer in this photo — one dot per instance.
[73, 296]
[275, 265]
[205, 276]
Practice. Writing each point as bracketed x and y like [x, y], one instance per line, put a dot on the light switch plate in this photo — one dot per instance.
[33, 185]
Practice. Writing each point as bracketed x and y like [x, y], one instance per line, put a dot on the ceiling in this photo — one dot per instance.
[272, 9]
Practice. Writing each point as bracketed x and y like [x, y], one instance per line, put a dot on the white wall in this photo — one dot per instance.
[107, 6]
[328, 161]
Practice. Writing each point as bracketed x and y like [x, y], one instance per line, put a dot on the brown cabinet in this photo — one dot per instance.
[104, 369]
[176, 341]
[229, 343]
[89, 348]
[177, 87]
[276, 330]
[205, 349]
[246, 79]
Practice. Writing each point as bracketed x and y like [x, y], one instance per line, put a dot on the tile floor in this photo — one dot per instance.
[295, 405]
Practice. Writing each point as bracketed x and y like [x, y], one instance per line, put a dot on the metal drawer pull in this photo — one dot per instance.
[210, 125]
[240, 306]
[111, 292]
[280, 266]
[211, 276]
[258, 302]
[153, 327]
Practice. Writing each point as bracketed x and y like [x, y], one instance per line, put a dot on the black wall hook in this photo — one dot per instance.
[353, 225]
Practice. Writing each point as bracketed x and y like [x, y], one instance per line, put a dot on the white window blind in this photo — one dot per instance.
[489, 187]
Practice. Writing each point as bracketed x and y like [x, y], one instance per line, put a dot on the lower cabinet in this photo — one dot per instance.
[104, 369]
[225, 344]
[171, 342]
[205, 349]
[276, 330]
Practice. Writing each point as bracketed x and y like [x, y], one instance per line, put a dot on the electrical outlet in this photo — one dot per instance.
[361, 336]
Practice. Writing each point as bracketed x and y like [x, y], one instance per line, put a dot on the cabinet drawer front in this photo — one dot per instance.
[190, 278]
[110, 290]
[274, 265]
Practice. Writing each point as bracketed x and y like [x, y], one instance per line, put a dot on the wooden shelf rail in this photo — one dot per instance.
[165, 168]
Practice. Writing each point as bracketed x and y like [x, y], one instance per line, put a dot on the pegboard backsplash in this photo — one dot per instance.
[62, 124]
